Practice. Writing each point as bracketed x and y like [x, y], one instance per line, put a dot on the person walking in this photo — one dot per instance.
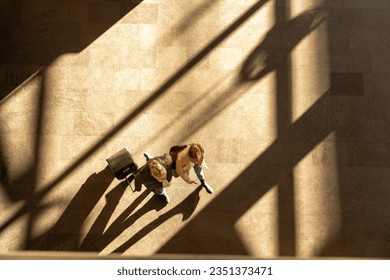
[155, 175]
[189, 156]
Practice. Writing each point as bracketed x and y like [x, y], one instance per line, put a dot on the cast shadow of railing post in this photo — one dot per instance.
[31, 39]
[270, 55]
[65, 233]
[34, 35]
[4, 183]
[164, 87]
[266, 171]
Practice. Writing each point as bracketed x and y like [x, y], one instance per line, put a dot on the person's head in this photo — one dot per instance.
[196, 152]
[157, 169]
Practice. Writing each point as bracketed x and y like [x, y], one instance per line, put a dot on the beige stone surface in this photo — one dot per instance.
[289, 98]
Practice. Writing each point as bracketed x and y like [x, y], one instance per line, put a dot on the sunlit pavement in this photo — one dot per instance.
[289, 98]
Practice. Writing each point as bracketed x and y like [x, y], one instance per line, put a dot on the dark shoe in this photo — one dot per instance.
[208, 188]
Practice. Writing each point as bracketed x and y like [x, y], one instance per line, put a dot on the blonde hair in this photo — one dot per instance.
[157, 169]
[196, 151]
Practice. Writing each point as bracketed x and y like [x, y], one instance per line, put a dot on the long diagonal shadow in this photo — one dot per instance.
[363, 231]
[98, 238]
[35, 35]
[185, 208]
[29, 37]
[184, 24]
[38, 196]
[270, 169]
[65, 233]
[3, 170]
[271, 55]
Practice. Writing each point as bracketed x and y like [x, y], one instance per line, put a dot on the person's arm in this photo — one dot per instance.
[141, 177]
[181, 172]
[168, 165]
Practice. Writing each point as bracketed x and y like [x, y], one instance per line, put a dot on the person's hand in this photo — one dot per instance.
[190, 181]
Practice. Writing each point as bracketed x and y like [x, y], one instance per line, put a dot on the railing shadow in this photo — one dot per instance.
[270, 55]
[272, 168]
[273, 53]
[267, 171]
[65, 233]
[164, 87]
[4, 180]
[363, 230]
[33, 35]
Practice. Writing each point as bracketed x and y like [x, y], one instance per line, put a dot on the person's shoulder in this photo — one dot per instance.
[182, 154]
[185, 150]
[164, 159]
[167, 158]
[146, 167]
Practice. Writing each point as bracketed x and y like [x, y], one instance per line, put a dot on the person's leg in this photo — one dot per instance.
[200, 174]
[137, 181]
[165, 195]
[162, 192]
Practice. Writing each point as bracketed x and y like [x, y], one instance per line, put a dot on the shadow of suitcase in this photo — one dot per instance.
[122, 164]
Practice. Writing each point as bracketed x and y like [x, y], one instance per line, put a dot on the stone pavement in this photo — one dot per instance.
[290, 99]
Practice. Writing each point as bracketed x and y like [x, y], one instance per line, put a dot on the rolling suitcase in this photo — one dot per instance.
[122, 164]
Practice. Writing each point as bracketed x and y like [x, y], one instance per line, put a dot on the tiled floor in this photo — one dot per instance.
[290, 99]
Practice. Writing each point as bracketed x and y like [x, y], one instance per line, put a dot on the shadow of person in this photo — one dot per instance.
[97, 239]
[222, 235]
[274, 51]
[65, 234]
[186, 208]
